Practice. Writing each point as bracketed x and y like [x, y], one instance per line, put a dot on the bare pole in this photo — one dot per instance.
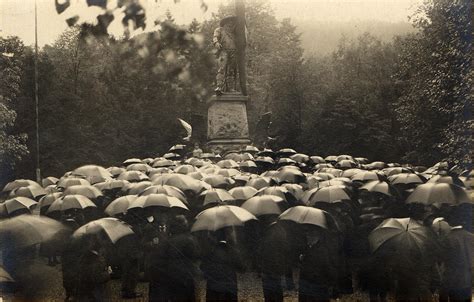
[38, 169]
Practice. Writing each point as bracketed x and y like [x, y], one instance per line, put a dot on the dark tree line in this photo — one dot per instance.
[104, 99]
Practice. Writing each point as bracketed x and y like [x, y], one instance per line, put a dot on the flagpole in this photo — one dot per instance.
[38, 169]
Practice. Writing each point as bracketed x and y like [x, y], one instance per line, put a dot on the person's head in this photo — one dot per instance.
[196, 145]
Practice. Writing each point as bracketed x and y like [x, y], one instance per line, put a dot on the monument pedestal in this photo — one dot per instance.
[227, 124]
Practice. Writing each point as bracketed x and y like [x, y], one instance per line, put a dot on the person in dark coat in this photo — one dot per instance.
[457, 258]
[129, 254]
[93, 273]
[318, 268]
[220, 270]
[172, 268]
[275, 250]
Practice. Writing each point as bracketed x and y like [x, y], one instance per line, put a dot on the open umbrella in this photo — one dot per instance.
[114, 184]
[177, 147]
[144, 168]
[131, 161]
[439, 193]
[379, 187]
[136, 188]
[346, 164]
[265, 205]
[84, 190]
[400, 235]
[335, 172]
[285, 152]
[295, 189]
[324, 175]
[329, 194]
[172, 156]
[351, 172]
[93, 173]
[251, 149]
[218, 181]
[165, 189]
[11, 205]
[228, 164]
[185, 169]
[133, 176]
[376, 165]
[157, 200]
[290, 175]
[300, 158]
[50, 180]
[217, 196]
[396, 170]
[71, 202]
[228, 172]
[182, 182]
[31, 191]
[366, 176]
[27, 230]
[261, 182]
[115, 171]
[285, 161]
[159, 171]
[221, 216]
[120, 205]
[18, 183]
[280, 192]
[48, 199]
[317, 159]
[454, 180]
[243, 193]
[112, 227]
[406, 179]
[305, 215]
[69, 181]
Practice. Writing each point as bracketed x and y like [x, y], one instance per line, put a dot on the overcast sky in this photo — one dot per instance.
[17, 16]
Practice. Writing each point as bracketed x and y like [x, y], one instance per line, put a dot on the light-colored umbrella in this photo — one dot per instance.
[265, 205]
[84, 190]
[217, 196]
[305, 215]
[31, 191]
[17, 203]
[120, 205]
[157, 200]
[19, 183]
[71, 202]
[220, 217]
[93, 173]
[133, 176]
[27, 230]
[439, 193]
[65, 182]
[243, 193]
[113, 228]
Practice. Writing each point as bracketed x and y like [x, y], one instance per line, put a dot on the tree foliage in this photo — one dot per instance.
[435, 70]
[12, 144]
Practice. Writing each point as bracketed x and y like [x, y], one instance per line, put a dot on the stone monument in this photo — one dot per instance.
[227, 124]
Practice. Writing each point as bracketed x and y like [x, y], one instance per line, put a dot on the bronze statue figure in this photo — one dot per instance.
[226, 51]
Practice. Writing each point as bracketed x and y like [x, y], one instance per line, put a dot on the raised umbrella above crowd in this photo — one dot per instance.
[261, 205]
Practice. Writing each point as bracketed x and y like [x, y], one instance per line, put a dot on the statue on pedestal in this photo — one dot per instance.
[227, 124]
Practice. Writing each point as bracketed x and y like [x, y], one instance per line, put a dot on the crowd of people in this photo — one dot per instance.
[324, 227]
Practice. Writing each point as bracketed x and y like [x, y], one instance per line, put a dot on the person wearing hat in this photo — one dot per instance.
[224, 42]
